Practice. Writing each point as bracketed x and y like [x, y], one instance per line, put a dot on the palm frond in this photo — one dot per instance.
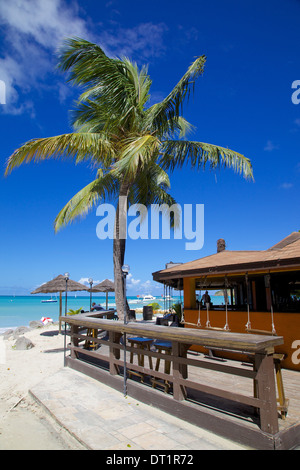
[175, 154]
[145, 185]
[105, 77]
[135, 155]
[161, 115]
[104, 187]
[78, 146]
[151, 189]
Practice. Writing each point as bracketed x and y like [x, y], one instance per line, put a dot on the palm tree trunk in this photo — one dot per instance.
[119, 246]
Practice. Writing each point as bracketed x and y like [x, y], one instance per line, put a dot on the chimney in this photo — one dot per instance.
[221, 245]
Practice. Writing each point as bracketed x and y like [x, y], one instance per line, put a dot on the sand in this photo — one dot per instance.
[23, 423]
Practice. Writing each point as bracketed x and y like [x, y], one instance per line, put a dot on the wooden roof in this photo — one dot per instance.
[284, 254]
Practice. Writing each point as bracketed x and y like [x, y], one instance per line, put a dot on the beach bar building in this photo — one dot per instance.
[261, 293]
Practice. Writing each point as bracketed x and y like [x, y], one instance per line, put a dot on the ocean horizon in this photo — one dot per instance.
[20, 310]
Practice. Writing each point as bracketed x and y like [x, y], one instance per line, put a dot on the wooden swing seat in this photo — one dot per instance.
[192, 324]
[260, 332]
[216, 328]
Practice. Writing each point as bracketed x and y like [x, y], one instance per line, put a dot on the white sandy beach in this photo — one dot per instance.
[24, 424]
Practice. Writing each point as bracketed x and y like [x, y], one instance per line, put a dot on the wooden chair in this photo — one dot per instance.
[140, 343]
[166, 347]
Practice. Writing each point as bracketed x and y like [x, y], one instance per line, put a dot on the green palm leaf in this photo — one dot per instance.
[135, 155]
[106, 78]
[78, 146]
[104, 187]
[175, 154]
[161, 115]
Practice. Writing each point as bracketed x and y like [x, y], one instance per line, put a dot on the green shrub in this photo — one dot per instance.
[154, 305]
[74, 312]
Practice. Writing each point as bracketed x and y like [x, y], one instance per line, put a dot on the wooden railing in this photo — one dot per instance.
[109, 364]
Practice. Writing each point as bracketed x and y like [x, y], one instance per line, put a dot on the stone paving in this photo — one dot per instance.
[101, 418]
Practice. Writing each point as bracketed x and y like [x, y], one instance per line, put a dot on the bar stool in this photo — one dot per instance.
[140, 343]
[161, 346]
[283, 402]
[88, 343]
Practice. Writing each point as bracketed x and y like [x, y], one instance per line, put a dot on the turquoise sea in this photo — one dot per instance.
[20, 310]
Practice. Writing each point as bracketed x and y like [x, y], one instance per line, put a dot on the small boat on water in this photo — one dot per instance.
[47, 301]
[146, 298]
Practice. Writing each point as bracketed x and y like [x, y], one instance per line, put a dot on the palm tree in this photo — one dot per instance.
[132, 145]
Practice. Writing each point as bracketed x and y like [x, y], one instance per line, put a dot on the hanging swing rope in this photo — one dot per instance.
[216, 328]
[272, 311]
[226, 327]
[208, 325]
[249, 329]
[248, 324]
[199, 310]
[198, 324]
[273, 324]
[199, 319]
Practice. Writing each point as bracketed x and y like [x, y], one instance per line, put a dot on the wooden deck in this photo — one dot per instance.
[212, 393]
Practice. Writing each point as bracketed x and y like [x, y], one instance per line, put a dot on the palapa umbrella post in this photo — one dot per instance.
[91, 285]
[125, 271]
[67, 275]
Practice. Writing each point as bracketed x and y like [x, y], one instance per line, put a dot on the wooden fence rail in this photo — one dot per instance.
[107, 364]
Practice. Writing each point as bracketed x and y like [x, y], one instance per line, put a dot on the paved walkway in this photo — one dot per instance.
[101, 418]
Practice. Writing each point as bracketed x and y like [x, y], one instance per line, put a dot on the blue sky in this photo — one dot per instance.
[243, 101]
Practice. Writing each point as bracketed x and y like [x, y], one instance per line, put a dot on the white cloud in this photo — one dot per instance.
[269, 147]
[33, 31]
[137, 286]
[44, 21]
[286, 185]
[131, 282]
[148, 286]
[85, 281]
[142, 41]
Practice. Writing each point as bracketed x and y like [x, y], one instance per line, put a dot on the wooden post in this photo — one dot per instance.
[179, 370]
[60, 311]
[114, 353]
[74, 341]
[266, 391]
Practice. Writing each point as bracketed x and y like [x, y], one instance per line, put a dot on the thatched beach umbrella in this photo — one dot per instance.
[58, 284]
[104, 286]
